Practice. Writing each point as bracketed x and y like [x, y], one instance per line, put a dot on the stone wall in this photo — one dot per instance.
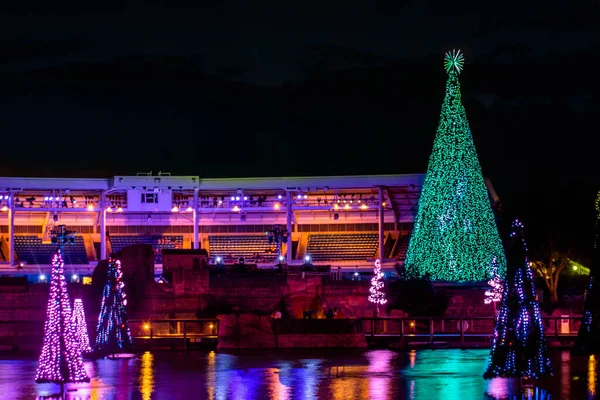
[250, 331]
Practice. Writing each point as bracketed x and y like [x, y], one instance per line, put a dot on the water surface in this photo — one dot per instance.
[343, 375]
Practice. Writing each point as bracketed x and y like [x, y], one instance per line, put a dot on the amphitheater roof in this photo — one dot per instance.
[211, 184]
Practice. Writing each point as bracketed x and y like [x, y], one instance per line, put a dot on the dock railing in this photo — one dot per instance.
[459, 327]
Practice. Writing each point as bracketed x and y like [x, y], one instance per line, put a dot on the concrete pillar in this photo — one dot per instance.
[195, 220]
[103, 227]
[381, 223]
[288, 211]
[11, 230]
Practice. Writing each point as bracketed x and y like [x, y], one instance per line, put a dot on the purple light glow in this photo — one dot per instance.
[60, 361]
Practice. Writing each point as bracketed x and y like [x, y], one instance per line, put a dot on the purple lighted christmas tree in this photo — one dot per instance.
[112, 334]
[80, 327]
[519, 346]
[60, 361]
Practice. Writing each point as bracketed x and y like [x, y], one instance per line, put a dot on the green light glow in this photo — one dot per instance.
[455, 237]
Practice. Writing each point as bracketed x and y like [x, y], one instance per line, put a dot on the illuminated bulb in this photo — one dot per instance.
[232, 198]
[42, 278]
[363, 207]
[174, 209]
[276, 206]
[235, 208]
[90, 207]
[146, 326]
[299, 196]
[218, 259]
[245, 198]
[281, 258]
[383, 204]
[75, 277]
[346, 207]
[307, 258]
[119, 209]
[237, 198]
[4, 208]
[336, 207]
[189, 209]
[109, 209]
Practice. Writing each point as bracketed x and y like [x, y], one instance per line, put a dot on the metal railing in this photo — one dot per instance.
[558, 327]
[16, 334]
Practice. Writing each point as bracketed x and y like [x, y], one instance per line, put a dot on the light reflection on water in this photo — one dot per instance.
[375, 374]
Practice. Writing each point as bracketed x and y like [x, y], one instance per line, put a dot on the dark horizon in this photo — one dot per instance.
[212, 92]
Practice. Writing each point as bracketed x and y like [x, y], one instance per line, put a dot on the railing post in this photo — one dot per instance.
[372, 327]
[15, 345]
[462, 331]
[401, 329]
[430, 330]
[185, 347]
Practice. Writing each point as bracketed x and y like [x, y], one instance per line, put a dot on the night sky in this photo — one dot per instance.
[231, 89]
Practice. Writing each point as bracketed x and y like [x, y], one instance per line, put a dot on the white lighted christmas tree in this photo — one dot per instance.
[80, 327]
[494, 294]
[455, 237]
[376, 293]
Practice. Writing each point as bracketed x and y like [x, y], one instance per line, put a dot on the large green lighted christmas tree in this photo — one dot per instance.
[455, 237]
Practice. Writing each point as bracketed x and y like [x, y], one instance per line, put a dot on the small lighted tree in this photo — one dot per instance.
[80, 327]
[60, 361]
[376, 293]
[494, 294]
[112, 334]
[519, 346]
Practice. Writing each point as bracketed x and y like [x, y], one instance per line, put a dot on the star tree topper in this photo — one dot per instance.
[454, 61]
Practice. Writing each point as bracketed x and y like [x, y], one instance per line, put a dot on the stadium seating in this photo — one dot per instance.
[342, 247]
[157, 242]
[232, 247]
[31, 250]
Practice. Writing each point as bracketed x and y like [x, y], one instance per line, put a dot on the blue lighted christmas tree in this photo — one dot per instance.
[113, 335]
[519, 346]
[455, 237]
[588, 339]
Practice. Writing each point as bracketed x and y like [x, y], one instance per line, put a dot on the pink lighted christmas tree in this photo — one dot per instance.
[376, 294]
[80, 327]
[60, 361]
[494, 295]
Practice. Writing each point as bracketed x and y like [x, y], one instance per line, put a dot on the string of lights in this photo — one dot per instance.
[80, 327]
[113, 334]
[519, 345]
[494, 294]
[376, 293]
[60, 361]
[455, 237]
